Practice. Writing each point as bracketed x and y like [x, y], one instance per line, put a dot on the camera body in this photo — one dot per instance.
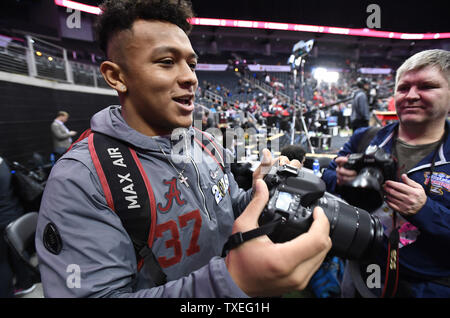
[373, 167]
[292, 193]
[295, 193]
[373, 157]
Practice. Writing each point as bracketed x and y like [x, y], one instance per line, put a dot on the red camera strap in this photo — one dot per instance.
[391, 280]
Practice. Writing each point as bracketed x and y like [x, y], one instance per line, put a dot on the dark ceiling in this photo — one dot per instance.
[396, 15]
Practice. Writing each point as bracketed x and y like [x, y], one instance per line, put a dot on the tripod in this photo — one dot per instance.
[302, 118]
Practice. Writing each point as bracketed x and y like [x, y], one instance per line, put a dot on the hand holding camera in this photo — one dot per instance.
[343, 175]
[262, 268]
[295, 210]
[295, 194]
[407, 198]
[268, 162]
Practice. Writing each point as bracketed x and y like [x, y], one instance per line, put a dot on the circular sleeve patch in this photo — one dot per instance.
[52, 239]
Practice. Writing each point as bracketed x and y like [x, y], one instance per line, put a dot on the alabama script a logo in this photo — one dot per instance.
[173, 193]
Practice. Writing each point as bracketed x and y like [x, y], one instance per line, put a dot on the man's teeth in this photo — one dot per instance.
[183, 100]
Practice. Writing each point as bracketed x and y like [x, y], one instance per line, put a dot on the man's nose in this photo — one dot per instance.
[413, 93]
[187, 78]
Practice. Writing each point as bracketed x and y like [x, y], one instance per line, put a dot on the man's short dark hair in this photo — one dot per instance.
[294, 152]
[361, 82]
[119, 15]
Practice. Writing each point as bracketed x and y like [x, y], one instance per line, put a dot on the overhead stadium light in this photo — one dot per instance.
[321, 74]
[281, 26]
[332, 77]
[78, 6]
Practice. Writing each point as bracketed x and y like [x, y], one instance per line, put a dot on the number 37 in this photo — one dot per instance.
[174, 241]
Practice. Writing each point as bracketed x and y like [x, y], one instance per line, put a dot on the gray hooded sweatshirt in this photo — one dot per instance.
[97, 257]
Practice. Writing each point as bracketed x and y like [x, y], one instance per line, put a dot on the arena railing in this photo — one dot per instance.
[42, 59]
[266, 88]
[13, 59]
[213, 97]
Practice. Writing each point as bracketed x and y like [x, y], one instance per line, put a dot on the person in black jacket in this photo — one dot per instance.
[360, 105]
[10, 265]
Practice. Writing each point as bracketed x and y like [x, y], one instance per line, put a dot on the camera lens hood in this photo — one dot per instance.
[364, 192]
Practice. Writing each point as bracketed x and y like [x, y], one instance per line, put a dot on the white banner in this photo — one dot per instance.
[375, 70]
[269, 68]
[211, 67]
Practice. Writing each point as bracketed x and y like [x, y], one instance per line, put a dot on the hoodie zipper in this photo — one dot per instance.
[200, 188]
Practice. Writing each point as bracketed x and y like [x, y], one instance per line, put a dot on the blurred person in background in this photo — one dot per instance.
[360, 105]
[61, 135]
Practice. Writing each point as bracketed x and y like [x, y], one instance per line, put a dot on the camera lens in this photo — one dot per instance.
[365, 190]
[354, 232]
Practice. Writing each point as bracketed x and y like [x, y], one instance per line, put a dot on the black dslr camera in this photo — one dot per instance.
[374, 167]
[294, 194]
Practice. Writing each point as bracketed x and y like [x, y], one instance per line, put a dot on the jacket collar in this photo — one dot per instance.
[109, 121]
[443, 156]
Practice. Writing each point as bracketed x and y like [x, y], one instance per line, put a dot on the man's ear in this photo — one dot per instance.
[113, 75]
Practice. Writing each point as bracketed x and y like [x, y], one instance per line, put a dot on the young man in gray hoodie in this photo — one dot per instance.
[83, 247]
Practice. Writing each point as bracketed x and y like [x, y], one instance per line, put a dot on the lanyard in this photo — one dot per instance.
[391, 280]
[433, 161]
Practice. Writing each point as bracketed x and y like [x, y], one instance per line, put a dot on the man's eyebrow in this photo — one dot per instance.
[173, 50]
[424, 82]
[430, 82]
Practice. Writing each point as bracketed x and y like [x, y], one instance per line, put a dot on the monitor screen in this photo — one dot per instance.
[332, 121]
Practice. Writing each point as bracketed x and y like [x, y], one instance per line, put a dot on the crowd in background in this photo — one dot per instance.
[315, 98]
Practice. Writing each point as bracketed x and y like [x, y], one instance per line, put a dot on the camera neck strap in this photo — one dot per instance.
[238, 238]
[391, 280]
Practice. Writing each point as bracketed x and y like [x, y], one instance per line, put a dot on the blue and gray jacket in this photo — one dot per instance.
[428, 256]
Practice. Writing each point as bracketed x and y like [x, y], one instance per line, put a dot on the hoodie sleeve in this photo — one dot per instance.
[96, 258]
[434, 217]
